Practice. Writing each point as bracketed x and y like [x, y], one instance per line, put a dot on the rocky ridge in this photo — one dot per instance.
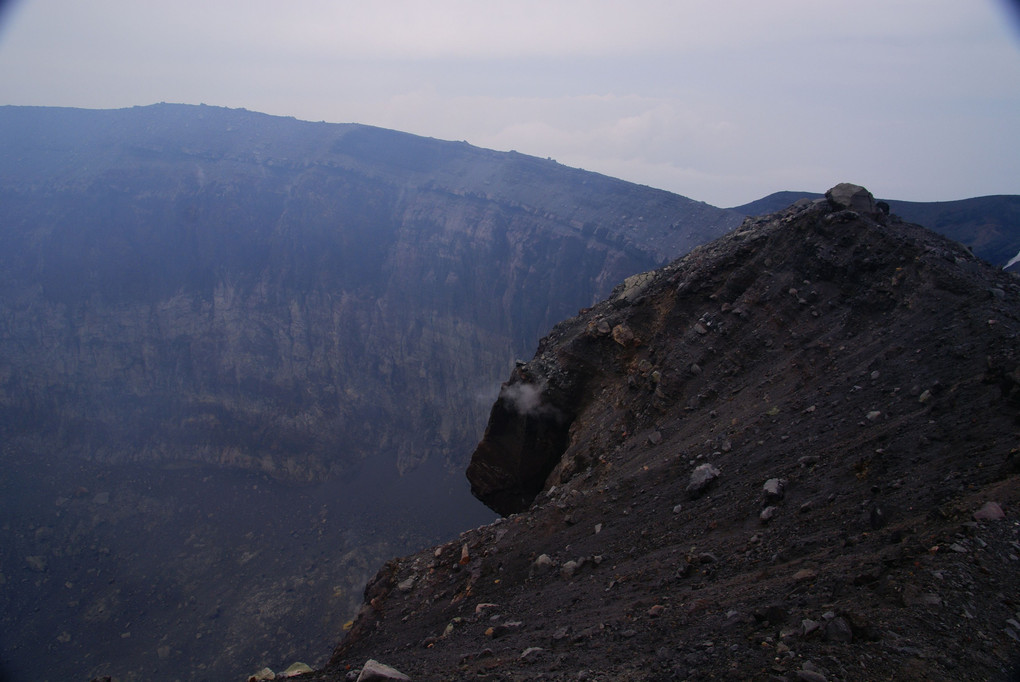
[790, 455]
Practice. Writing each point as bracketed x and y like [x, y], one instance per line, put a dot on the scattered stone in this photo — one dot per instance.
[374, 671]
[701, 478]
[406, 585]
[678, 508]
[838, 630]
[465, 557]
[874, 415]
[623, 335]
[295, 669]
[531, 653]
[990, 511]
[598, 528]
[733, 618]
[262, 675]
[543, 563]
[810, 676]
[700, 328]
[809, 627]
[805, 574]
[484, 606]
[924, 397]
[569, 569]
[656, 610]
[768, 513]
[773, 489]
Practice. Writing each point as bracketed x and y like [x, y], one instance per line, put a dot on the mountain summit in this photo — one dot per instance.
[787, 455]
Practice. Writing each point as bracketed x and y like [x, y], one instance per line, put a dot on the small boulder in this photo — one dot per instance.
[295, 669]
[701, 478]
[543, 563]
[623, 335]
[838, 630]
[990, 511]
[773, 489]
[374, 671]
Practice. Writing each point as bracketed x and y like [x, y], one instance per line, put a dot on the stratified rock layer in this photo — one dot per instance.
[195, 283]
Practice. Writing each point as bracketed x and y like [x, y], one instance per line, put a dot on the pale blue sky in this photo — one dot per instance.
[721, 101]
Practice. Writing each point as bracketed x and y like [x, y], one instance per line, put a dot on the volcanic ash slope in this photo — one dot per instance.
[792, 454]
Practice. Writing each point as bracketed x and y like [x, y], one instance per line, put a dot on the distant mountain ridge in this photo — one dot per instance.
[989, 226]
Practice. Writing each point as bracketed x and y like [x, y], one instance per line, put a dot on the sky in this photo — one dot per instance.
[723, 101]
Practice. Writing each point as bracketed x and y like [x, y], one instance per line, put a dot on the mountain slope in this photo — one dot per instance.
[765, 461]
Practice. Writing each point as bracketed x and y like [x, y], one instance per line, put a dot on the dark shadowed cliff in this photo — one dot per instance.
[793, 454]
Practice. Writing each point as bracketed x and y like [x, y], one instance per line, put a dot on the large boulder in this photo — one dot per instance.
[853, 197]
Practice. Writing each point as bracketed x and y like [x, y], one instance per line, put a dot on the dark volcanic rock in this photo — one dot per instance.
[852, 197]
[882, 313]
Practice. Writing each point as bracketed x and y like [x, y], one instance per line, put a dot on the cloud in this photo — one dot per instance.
[526, 399]
[717, 100]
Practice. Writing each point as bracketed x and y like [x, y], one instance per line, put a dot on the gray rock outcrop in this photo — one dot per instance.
[852, 197]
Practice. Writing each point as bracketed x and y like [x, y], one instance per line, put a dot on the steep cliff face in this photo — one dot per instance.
[185, 288]
[222, 286]
[791, 454]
